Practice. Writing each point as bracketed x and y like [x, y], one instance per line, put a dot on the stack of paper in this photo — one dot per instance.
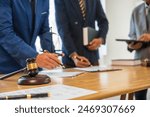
[129, 62]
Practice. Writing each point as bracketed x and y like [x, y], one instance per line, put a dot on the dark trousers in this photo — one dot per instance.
[141, 95]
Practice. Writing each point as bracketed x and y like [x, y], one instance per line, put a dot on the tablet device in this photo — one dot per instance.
[130, 40]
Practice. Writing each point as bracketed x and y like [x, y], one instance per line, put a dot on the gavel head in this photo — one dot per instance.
[32, 67]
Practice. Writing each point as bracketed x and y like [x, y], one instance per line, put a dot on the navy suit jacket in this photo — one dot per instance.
[17, 40]
[70, 24]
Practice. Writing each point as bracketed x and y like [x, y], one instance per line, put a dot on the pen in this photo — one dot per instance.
[59, 54]
[46, 51]
[108, 70]
[76, 57]
[25, 96]
[11, 74]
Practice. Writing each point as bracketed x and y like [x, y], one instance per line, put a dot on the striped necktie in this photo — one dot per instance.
[83, 8]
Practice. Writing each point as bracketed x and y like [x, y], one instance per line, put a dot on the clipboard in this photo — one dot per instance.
[131, 40]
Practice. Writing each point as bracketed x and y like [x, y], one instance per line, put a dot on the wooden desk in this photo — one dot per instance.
[107, 84]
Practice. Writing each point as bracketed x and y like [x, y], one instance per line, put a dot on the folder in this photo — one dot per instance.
[89, 34]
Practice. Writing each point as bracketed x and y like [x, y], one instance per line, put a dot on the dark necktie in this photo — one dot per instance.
[33, 13]
[83, 8]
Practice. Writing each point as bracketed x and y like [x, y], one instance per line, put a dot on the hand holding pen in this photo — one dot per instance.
[81, 61]
[48, 60]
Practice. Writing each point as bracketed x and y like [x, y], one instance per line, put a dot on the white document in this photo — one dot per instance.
[97, 69]
[57, 92]
[60, 74]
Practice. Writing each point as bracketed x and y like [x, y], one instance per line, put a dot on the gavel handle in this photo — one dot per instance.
[12, 73]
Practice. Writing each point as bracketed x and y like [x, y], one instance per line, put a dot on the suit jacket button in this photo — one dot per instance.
[76, 22]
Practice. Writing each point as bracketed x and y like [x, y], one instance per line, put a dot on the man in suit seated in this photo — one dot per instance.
[21, 21]
[71, 17]
[140, 30]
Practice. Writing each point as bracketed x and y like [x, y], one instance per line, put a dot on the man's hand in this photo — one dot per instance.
[145, 37]
[95, 44]
[135, 46]
[80, 61]
[47, 60]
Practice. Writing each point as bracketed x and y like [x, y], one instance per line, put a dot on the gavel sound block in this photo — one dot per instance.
[32, 78]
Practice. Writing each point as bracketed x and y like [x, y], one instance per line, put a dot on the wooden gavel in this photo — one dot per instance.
[31, 68]
[32, 77]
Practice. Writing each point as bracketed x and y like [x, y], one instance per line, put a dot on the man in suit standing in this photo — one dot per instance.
[140, 30]
[21, 21]
[71, 17]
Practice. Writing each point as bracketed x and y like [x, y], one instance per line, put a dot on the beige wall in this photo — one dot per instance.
[118, 13]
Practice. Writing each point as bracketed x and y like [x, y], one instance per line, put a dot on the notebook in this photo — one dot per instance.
[89, 34]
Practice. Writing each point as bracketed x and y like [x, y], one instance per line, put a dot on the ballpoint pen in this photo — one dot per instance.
[58, 54]
[25, 96]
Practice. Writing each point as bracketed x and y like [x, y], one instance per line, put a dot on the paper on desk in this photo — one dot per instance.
[97, 69]
[57, 92]
[60, 74]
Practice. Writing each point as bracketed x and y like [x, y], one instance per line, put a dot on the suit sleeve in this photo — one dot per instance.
[102, 20]
[9, 41]
[132, 33]
[63, 27]
[45, 34]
